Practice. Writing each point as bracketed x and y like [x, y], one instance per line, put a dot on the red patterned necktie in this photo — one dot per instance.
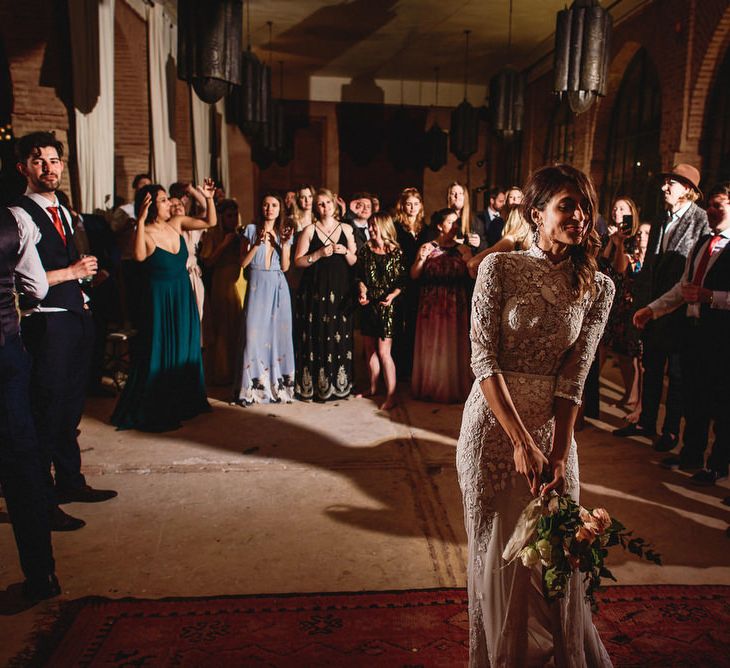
[57, 222]
[704, 260]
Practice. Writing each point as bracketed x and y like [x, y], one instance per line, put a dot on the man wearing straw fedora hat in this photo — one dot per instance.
[670, 241]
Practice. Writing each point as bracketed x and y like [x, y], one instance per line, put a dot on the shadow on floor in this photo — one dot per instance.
[645, 497]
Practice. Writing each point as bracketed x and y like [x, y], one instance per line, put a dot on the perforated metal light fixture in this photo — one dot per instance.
[435, 140]
[248, 104]
[464, 132]
[209, 46]
[507, 101]
[507, 94]
[582, 50]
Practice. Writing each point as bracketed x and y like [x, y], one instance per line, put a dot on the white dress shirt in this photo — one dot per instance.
[672, 298]
[30, 277]
[31, 230]
[362, 225]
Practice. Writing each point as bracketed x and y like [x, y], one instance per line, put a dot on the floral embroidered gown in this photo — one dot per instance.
[441, 350]
[265, 371]
[323, 325]
[526, 326]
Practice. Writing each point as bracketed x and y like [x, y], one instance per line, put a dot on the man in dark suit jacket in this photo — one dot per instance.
[670, 242]
[59, 332]
[357, 216]
[705, 290]
[490, 222]
[22, 473]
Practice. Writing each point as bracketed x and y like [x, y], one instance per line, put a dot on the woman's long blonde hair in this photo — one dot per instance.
[518, 229]
[384, 222]
[465, 216]
[297, 213]
[400, 210]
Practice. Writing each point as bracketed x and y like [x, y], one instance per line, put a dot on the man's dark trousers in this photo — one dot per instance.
[61, 345]
[22, 473]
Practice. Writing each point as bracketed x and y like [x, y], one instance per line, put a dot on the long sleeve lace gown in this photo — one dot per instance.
[527, 326]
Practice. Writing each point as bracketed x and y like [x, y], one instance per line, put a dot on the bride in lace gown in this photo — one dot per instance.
[537, 318]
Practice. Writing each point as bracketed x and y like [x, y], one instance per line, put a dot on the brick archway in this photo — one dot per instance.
[600, 120]
[717, 47]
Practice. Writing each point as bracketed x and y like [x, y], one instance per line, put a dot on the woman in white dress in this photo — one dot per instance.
[537, 317]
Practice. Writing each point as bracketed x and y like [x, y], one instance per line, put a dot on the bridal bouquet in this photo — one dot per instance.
[563, 536]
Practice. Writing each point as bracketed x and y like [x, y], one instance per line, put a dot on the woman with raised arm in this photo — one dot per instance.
[266, 367]
[165, 384]
[537, 317]
[517, 235]
[323, 313]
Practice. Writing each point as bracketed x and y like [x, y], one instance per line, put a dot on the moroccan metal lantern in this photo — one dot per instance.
[248, 104]
[209, 46]
[435, 148]
[507, 95]
[582, 50]
[435, 140]
[507, 101]
[464, 132]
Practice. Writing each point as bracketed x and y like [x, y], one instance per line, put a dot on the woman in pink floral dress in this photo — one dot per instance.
[441, 352]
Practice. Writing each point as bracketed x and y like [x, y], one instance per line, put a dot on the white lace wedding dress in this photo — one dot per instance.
[528, 327]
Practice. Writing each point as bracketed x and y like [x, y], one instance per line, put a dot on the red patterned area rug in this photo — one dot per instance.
[641, 626]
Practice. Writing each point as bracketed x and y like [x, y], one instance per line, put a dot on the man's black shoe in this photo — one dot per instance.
[726, 500]
[61, 521]
[674, 462]
[666, 442]
[85, 494]
[634, 430]
[707, 477]
[39, 589]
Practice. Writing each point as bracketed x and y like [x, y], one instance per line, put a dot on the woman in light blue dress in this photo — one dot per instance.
[265, 371]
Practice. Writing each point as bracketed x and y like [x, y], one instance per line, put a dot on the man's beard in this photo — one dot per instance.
[45, 186]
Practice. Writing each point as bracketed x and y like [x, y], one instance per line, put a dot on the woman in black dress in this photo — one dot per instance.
[411, 232]
[324, 304]
[380, 274]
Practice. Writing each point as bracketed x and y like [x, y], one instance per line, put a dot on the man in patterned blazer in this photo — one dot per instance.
[670, 241]
[705, 290]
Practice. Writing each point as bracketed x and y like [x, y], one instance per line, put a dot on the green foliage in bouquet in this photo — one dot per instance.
[569, 537]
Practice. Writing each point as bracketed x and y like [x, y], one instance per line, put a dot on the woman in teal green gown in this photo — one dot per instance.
[165, 384]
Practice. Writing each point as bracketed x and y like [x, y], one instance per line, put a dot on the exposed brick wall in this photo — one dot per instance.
[131, 101]
[711, 45]
[183, 132]
[675, 40]
[39, 63]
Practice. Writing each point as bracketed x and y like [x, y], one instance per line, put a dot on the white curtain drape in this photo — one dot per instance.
[201, 137]
[224, 168]
[162, 50]
[92, 63]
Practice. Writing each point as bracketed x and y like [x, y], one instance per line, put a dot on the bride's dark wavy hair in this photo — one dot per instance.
[541, 187]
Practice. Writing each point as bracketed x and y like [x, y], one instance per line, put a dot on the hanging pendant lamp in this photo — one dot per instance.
[436, 140]
[464, 134]
[507, 95]
[270, 142]
[248, 104]
[209, 46]
[582, 50]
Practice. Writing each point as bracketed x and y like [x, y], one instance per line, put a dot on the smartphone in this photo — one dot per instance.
[628, 223]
